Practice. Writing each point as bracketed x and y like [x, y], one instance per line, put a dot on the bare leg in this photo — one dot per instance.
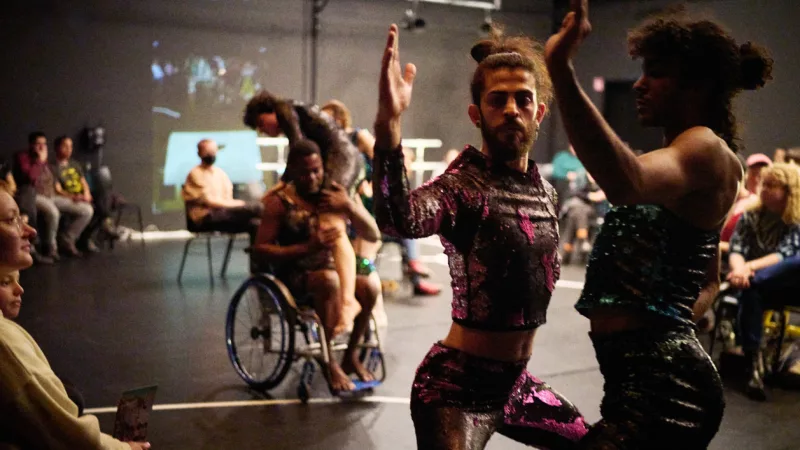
[370, 250]
[367, 290]
[344, 257]
[323, 286]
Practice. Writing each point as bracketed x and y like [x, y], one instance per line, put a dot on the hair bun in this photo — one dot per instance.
[756, 66]
[481, 50]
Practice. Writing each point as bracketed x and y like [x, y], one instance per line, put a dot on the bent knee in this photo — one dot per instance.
[323, 281]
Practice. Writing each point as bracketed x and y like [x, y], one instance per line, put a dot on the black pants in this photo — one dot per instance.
[661, 392]
[240, 219]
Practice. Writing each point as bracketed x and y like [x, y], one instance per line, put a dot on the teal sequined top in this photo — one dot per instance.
[646, 258]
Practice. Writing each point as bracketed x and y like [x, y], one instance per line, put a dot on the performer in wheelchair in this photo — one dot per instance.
[340, 157]
[292, 240]
[497, 219]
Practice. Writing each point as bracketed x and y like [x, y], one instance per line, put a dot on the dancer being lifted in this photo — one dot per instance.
[658, 248]
[497, 220]
[343, 163]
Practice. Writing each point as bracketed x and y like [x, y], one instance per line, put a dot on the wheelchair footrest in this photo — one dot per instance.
[362, 388]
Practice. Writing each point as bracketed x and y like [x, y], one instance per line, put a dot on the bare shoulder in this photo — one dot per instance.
[706, 151]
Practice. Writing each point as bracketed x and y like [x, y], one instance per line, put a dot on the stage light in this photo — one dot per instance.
[486, 26]
[411, 19]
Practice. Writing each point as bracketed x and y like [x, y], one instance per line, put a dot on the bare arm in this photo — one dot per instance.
[363, 222]
[691, 162]
[710, 290]
[268, 234]
[87, 194]
[400, 211]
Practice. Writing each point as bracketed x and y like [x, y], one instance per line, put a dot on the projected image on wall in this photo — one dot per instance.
[201, 95]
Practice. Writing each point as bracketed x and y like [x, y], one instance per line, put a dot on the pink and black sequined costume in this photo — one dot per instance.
[499, 230]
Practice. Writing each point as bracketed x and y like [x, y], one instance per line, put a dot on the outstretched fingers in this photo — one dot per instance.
[580, 8]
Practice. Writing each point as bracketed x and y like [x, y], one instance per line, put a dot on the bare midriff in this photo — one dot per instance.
[508, 346]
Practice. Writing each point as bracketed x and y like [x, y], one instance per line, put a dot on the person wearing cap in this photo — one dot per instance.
[748, 196]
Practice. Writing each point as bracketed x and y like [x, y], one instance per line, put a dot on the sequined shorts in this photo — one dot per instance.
[459, 401]
[661, 392]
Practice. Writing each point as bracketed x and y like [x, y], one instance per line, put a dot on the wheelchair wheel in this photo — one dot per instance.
[259, 332]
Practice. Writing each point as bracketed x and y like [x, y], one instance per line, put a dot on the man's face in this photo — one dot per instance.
[40, 147]
[308, 175]
[268, 124]
[207, 148]
[509, 113]
[657, 92]
[64, 150]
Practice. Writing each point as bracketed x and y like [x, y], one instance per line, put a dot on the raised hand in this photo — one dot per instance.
[562, 46]
[394, 91]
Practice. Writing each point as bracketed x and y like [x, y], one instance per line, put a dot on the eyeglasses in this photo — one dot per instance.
[18, 220]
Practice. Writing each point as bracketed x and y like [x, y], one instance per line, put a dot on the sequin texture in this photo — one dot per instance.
[460, 398]
[499, 229]
[662, 391]
[645, 258]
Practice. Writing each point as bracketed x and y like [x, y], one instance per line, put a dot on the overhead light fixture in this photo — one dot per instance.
[412, 20]
[486, 26]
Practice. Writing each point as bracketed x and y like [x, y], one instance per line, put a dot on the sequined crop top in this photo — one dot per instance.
[646, 258]
[498, 227]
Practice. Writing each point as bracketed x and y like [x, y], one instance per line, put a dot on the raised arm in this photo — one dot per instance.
[693, 161]
[398, 210]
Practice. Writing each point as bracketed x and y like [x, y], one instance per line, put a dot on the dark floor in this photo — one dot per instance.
[119, 320]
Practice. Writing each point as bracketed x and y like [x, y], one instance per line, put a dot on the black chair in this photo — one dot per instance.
[116, 205]
[201, 233]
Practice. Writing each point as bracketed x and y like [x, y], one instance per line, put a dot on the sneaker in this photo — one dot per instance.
[417, 268]
[423, 288]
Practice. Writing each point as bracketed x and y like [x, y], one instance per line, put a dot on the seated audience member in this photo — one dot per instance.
[26, 169]
[748, 195]
[779, 156]
[72, 185]
[208, 193]
[50, 206]
[579, 213]
[72, 197]
[10, 303]
[36, 410]
[291, 240]
[763, 259]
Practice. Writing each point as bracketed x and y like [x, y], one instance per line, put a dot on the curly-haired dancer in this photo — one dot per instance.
[658, 249]
[497, 220]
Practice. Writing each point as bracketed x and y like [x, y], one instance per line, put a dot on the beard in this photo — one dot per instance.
[510, 141]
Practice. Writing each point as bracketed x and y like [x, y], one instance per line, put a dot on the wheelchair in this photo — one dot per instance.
[777, 328]
[267, 330]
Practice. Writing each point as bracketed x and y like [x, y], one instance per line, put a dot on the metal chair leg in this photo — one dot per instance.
[183, 260]
[210, 266]
[776, 362]
[717, 321]
[141, 222]
[227, 256]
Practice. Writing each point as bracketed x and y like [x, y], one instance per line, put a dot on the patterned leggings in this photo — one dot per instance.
[458, 401]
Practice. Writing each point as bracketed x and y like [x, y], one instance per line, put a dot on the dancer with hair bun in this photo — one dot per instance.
[497, 220]
[654, 268]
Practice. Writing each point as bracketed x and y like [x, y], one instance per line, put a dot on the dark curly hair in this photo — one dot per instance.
[706, 53]
[512, 52]
[261, 103]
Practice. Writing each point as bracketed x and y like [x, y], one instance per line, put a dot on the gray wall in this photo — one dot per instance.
[767, 117]
[73, 63]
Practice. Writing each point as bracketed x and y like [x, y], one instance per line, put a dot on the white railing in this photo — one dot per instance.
[419, 166]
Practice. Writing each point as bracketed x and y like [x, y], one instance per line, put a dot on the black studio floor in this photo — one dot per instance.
[119, 320]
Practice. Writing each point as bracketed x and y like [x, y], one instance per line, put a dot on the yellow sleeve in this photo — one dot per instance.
[34, 405]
